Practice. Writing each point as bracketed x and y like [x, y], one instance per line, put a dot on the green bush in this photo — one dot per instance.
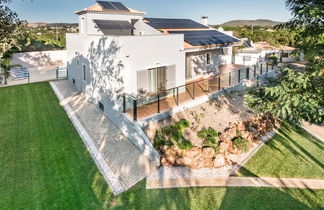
[169, 135]
[160, 140]
[210, 136]
[273, 59]
[241, 144]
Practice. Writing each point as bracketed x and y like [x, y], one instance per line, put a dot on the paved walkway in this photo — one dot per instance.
[315, 130]
[237, 182]
[120, 162]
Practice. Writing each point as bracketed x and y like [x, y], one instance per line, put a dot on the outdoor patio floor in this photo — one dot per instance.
[191, 91]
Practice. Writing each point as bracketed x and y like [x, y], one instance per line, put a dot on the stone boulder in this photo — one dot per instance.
[219, 161]
[232, 159]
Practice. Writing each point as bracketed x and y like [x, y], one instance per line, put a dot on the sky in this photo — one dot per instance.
[218, 11]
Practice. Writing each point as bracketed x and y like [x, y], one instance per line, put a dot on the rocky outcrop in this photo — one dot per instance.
[227, 154]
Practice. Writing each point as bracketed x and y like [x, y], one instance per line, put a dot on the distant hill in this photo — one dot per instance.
[35, 25]
[259, 22]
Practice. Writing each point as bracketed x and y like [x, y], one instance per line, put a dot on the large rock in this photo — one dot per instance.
[208, 152]
[232, 158]
[223, 147]
[228, 135]
[219, 161]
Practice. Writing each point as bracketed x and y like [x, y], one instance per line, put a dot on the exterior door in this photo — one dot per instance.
[157, 79]
[161, 78]
[188, 68]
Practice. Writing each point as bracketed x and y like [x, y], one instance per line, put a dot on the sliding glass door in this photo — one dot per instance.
[156, 79]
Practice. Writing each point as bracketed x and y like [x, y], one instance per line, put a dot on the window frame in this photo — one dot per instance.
[208, 58]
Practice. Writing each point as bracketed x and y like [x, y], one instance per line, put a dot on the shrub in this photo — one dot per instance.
[241, 144]
[169, 135]
[210, 136]
[273, 59]
[160, 140]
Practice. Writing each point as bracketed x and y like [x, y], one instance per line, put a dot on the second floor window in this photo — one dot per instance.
[208, 58]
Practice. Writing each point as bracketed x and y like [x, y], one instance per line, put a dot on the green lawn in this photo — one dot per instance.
[44, 165]
[291, 153]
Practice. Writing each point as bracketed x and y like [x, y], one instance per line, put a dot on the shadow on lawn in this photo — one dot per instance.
[290, 143]
[205, 198]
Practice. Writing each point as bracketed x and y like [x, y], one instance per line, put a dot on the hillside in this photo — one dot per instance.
[259, 22]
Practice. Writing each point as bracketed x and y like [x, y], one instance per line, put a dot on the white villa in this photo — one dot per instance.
[118, 51]
[260, 51]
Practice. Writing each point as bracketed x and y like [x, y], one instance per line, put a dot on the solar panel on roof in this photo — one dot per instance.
[206, 37]
[113, 24]
[113, 5]
[119, 6]
[165, 23]
[106, 5]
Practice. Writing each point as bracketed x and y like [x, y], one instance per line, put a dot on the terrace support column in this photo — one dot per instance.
[193, 90]
[135, 110]
[230, 79]
[158, 97]
[124, 103]
[261, 69]
[254, 73]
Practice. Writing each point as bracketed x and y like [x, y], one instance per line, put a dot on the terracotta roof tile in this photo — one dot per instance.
[98, 9]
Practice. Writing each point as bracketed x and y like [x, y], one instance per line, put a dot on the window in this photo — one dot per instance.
[73, 80]
[84, 73]
[78, 62]
[208, 58]
[101, 106]
[247, 58]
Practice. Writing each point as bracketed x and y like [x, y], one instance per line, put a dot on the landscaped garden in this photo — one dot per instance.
[44, 165]
[216, 134]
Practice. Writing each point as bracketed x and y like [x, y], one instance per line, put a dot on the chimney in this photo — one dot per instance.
[204, 20]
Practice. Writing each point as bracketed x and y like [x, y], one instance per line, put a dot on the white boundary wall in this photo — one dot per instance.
[40, 58]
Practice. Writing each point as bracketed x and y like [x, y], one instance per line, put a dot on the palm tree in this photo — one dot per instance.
[6, 67]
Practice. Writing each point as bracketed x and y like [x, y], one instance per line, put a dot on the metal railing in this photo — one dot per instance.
[191, 91]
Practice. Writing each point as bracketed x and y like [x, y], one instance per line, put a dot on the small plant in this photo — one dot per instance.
[160, 140]
[197, 118]
[210, 136]
[241, 144]
[169, 135]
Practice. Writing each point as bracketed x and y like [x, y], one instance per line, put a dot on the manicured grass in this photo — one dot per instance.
[291, 153]
[44, 165]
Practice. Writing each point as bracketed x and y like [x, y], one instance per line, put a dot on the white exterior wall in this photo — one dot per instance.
[90, 26]
[141, 28]
[40, 58]
[255, 58]
[288, 59]
[198, 61]
[112, 63]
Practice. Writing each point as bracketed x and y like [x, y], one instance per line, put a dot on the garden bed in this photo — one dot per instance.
[212, 135]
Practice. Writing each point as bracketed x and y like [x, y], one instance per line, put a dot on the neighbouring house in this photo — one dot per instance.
[260, 51]
[118, 51]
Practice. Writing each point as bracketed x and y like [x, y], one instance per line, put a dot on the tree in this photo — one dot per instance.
[291, 96]
[12, 28]
[308, 22]
[298, 94]
[6, 67]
